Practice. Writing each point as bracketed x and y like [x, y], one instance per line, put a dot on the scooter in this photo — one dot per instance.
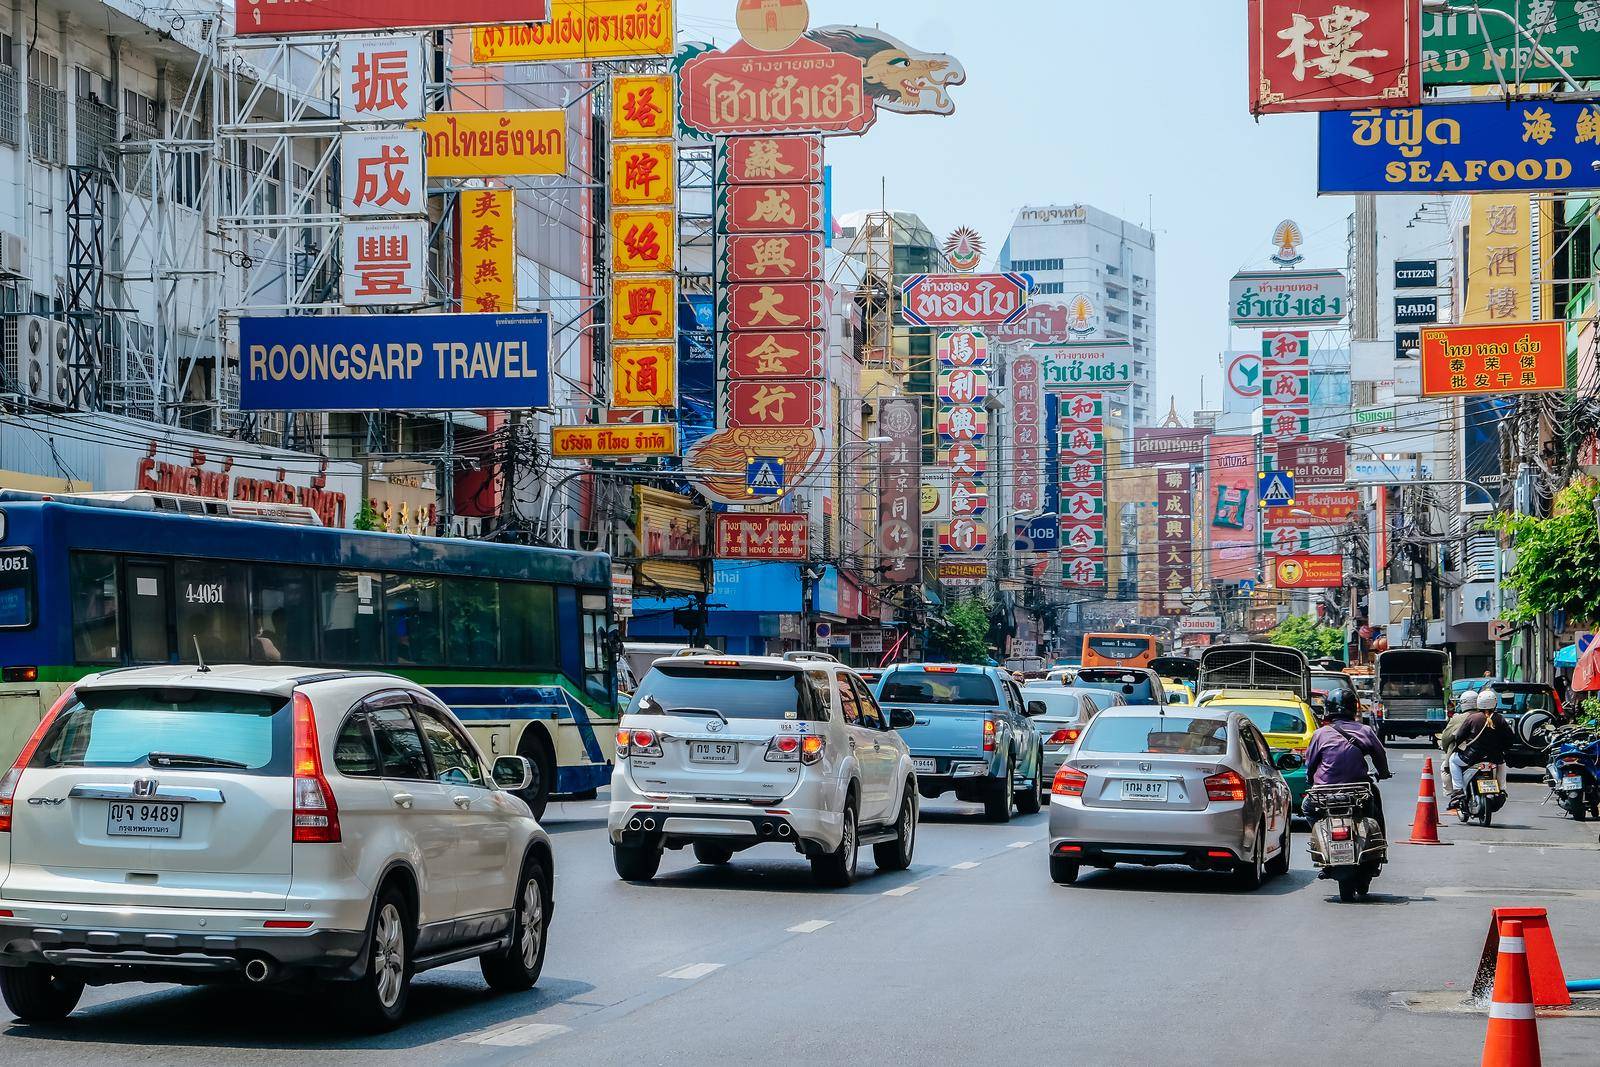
[1481, 793]
[1572, 771]
[1347, 845]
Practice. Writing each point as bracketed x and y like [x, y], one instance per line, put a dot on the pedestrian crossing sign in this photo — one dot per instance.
[763, 476]
[1276, 489]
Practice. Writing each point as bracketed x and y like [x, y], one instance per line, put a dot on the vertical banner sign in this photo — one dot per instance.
[381, 79]
[1027, 433]
[963, 442]
[384, 262]
[1174, 532]
[1286, 420]
[1334, 55]
[1082, 429]
[643, 240]
[900, 490]
[1230, 500]
[486, 249]
[1499, 276]
[384, 240]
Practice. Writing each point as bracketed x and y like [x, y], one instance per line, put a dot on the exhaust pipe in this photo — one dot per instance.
[635, 824]
[783, 830]
[649, 824]
[256, 971]
[766, 829]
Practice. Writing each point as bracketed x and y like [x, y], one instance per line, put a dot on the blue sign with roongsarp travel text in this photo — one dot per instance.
[394, 362]
[1460, 148]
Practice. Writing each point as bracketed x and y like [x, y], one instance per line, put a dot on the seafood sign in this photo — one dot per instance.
[1463, 147]
[1288, 298]
[964, 299]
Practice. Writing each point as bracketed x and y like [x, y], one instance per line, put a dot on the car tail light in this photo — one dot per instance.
[1069, 783]
[1069, 848]
[13, 777]
[811, 748]
[989, 728]
[1065, 736]
[316, 813]
[722, 663]
[783, 749]
[1219, 854]
[637, 743]
[1571, 759]
[1225, 786]
[286, 924]
[1340, 833]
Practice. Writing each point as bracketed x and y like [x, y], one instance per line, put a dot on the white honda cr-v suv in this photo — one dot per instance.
[262, 825]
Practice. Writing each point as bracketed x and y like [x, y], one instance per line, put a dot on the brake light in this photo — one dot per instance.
[722, 663]
[1065, 736]
[1069, 783]
[783, 749]
[1219, 854]
[13, 777]
[811, 748]
[316, 814]
[286, 924]
[989, 728]
[637, 743]
[1340, 833]
[1225, 786]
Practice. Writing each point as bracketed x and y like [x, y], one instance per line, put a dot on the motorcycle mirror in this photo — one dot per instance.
[1289, 761]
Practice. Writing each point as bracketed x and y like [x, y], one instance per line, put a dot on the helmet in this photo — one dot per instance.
[1341, 704]
[1488, 699]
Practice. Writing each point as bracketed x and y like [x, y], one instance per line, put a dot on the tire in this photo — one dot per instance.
[636, 863]
[1250, 877]
[1364, 886]
[1349, 888]
[1028, 802]
[1485, 814]
[1576, 809]
[377, 1000]
[712, 853]
[896, 855]
[36, 994]
[837, 869]
[516, 970]
[543, 762]
[998, 798]
[1063, 871]
[1278, 866]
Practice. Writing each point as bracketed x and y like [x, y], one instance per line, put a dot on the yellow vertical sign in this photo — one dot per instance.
[486, 243]
[643, 242]
[1499, 284]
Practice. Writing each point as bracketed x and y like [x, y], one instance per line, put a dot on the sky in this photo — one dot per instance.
[1137, 107]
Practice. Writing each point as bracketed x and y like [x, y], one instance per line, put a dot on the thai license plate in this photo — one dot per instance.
[1141, 789]
[1487, 786]
[1572, 781]
[924, 766]
[1340, 852]
[713, 752]
[144, 820]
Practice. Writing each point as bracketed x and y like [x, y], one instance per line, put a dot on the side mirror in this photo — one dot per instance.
[1035, 708]
[512, 772]
[902, 718]
[1289, 761]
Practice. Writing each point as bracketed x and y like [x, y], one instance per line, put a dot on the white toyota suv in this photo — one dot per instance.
[262, 825]
[724, 753]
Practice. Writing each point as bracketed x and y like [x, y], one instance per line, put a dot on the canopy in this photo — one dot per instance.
[1587, 676]
[1567, 657]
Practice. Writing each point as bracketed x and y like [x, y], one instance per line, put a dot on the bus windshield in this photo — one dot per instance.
[1118, 650]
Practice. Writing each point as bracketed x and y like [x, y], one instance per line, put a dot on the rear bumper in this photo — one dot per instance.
[1412, 727]
[104, 954]
[1146, 836]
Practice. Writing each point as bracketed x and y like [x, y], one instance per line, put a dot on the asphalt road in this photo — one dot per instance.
[970, 955]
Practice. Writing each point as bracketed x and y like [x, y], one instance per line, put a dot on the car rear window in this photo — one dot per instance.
[736, 692]
[1178, 735]
[1135, 687]
[920, 687]
[1517, 701]
[1274, 720]
[170, 729]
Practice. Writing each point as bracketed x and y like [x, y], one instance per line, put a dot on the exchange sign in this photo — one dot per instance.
[1469, 360]
[1270, 299]
[1318, 55]
[964, 299]
[1534, 145]
[257, 17]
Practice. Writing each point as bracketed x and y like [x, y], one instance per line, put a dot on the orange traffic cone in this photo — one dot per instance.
[1427, 770]
[1425, 826]
[1513, 1036]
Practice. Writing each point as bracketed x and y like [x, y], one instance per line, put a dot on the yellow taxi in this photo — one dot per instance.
[1285, 719]
[1176, 693]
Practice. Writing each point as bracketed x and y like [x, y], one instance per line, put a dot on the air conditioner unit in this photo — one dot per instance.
[27, 363]
[11, 264]
[60, 343]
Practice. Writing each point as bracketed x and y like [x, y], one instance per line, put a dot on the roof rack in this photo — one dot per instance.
[810, 657]
[693, 651]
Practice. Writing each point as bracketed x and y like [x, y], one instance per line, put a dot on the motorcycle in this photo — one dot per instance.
[1481, 793]
[1572, 771]
[1347, 844]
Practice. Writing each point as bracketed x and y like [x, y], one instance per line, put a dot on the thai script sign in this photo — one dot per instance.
[381, 79]
[900, 489]
[964, 299]
[486, 249]
[487, 144]
[1044, 323]
[1168, 446]
[253, 17]
[1464, 48]
[1091, 364]
[1320, 507]
[1288, 298]
[618, 440]
[581, 29]
[1460, 148]
[1308, 571]
[804, 88]
[1316, 55]
[1314, 462]
[765, 537]
[394, 362]
[1470, 360]
[192, 479]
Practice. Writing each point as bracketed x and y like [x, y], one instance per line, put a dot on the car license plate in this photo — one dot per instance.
[924, 766]
[1487, 786]
[713, 752]
[144, 820]
[1141, 789]
[1342, 852]
[1572, 781]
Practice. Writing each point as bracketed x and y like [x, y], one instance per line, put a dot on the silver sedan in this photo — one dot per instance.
[1152, 786]
[1061, 714]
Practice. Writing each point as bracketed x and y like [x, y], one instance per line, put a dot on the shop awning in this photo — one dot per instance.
[1567, 657]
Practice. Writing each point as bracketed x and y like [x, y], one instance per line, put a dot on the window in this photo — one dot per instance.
[527, 624]
[1162, 734]
[92, 582]
[46, 104]
[352, 629]
[232, 732]
[17, 580]
[737, 692]
[453, 760]
[413, 612]
[10, 109]
[596, 648]
[871, 715]
[353, 752]
[210, 600]
[399, 745]
[922, 687]
[847, 700]
[474, 622]
[283, 616]
[1050, 288]
[1256, 746]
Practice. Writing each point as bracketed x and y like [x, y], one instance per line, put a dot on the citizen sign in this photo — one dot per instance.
[1416, 274]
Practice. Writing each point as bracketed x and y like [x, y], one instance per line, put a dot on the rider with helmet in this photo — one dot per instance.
[1480, 736]
[1339, 751]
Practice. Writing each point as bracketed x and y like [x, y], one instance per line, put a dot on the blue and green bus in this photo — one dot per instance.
[518, 641]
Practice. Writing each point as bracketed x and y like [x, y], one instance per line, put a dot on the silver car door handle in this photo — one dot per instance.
[404, 800]
[877, 747]
[462, 802]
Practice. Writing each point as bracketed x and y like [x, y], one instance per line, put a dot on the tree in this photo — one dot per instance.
[1557, 564]
[1309, 636]
[367, 518]
[963, 635]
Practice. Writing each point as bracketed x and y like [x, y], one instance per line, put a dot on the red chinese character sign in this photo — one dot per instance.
[1286, 420]
[763, 537]
[381, 173]
[1174, 531]
[1082, 446]
[385, 262]
[962, 423]
[1027, 433]
[381, 79]
[1334, 55]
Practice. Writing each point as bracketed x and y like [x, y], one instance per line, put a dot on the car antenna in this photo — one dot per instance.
[202, 669]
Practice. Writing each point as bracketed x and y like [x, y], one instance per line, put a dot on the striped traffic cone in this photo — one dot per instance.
[1425, 825]
[1512, 1039]
[1427, 770]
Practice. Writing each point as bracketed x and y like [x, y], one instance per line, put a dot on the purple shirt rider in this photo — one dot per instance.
[1339, 751]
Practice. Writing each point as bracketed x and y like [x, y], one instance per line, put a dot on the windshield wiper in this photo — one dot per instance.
[699, 711]
[184, 759]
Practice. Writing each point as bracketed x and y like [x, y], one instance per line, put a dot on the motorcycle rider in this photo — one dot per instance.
[1339, 751]
[1482, 736]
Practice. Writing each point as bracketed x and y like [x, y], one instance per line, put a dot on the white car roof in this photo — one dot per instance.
[233, 678]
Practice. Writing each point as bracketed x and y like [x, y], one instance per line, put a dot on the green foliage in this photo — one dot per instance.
[963, 635]
[1309, 636]
[1588, 714]
[367, 518]
[1558, 559]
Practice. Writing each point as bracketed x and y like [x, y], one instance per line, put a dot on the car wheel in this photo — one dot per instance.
[1279, 864]
[543, 764]
[37, 994]
[712, 852]
[1063, 871]
[516, 970]
[1251, 875]
[1028, 802]
[896, 855]
[377, 999]
[636, 863]
[837, 869]
[1002, 791]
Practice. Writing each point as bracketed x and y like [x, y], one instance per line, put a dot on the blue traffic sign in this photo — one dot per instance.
[1275, 488]
[763, 476]
[1247, 587]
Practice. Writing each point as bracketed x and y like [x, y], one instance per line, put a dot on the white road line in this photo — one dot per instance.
[902, 891]
[516, 1035]
[1019, 844]
[964, 866]
[692, 971]
[810, 926]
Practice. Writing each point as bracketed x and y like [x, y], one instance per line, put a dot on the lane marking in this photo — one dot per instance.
[692, 971]
[902, 891]
[516, 1035]
[810, 926]
[1019, 844]
[967, 866]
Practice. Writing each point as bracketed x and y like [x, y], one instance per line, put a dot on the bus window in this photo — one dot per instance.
[283, 616]
[474, 613]
[147, 594]
[352, 627]
[92, 577]
[596, 658]
[528, 624]
[210, 600]
[413, 616]
[16, 588]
